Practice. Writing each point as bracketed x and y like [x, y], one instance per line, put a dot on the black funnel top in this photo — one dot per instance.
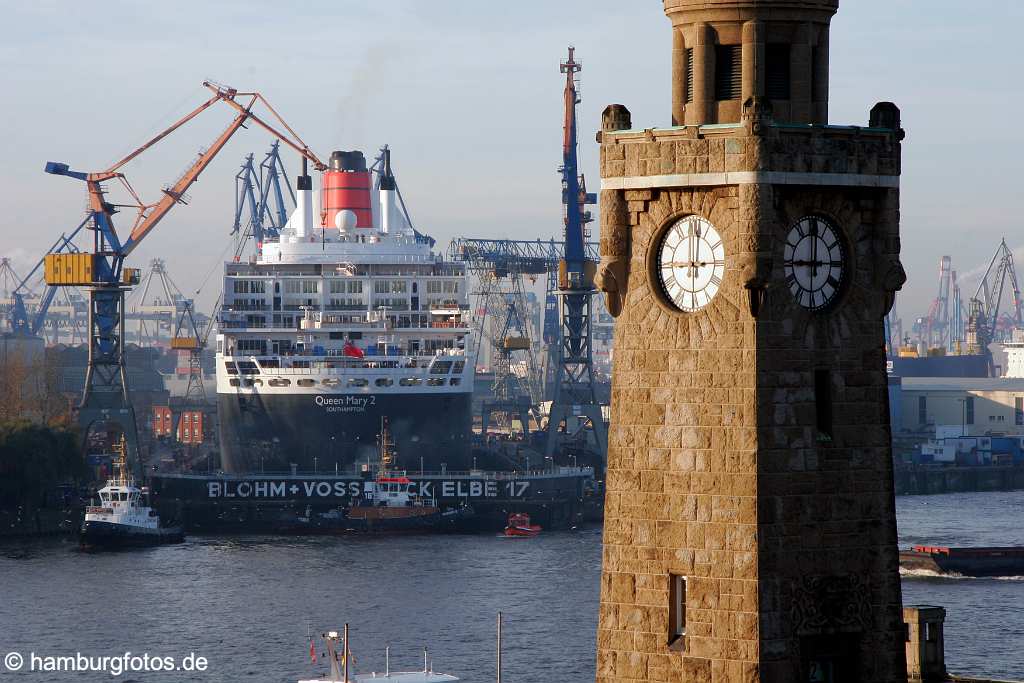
[348, 161]
[387, 179]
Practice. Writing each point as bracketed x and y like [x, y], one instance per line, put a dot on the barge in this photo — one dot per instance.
[991, 561]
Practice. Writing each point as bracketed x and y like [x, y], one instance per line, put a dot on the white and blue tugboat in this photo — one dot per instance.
[123, 519]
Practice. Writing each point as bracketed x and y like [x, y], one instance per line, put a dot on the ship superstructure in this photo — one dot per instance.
[346, 317]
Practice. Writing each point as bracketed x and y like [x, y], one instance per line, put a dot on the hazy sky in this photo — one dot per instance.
[468, 95]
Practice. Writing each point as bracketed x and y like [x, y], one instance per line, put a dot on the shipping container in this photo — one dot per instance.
[69, 269]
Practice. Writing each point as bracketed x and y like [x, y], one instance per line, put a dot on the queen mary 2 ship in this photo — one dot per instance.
[345, 318]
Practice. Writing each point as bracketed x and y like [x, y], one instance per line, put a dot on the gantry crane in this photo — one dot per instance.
[260, 194]
[574, 394]
[489, 259]
[103, 272]
[985, 324]
[23, 324]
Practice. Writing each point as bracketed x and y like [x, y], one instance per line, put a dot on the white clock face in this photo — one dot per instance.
[691, 263]
[813, 260]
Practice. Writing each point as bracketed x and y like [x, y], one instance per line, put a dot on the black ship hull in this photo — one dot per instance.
[105, 535]
[336, 432]
[980, 562]
[432, 521]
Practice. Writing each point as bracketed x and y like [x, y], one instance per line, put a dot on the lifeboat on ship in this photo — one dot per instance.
[519, 526]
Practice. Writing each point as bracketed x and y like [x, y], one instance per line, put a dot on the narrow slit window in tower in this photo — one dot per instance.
[676, 610]
[777, 73]
[823, 404]
[728, 72]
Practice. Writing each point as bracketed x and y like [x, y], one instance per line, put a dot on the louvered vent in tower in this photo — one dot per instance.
[728, 72]
[688, 77]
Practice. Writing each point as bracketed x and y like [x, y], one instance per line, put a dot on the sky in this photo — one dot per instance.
[469, 96]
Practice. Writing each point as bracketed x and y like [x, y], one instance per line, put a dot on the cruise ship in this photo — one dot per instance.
[346, 317]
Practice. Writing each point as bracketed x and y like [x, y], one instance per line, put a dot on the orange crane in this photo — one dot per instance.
[102, 270]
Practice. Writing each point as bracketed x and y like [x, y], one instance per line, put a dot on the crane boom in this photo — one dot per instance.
[173, 195]
[105, 396]
[149, 215]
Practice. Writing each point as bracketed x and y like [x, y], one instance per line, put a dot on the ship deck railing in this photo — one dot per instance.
[340, 326]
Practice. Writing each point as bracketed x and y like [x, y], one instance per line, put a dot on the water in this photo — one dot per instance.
[245, 603]
[984, 617]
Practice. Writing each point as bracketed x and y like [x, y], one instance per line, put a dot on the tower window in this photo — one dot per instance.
[1018, 411]
[969, 410]
[823, 404]
[728, 72]
[688, 76]
[777, 74]
[922, 410]
[676, 610]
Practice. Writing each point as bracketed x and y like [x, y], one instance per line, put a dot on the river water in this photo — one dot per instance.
[246, 603]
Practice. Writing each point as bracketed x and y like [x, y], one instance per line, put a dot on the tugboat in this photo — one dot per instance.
[123, 518]
[340, 666]
[519, 526]
[387, 505]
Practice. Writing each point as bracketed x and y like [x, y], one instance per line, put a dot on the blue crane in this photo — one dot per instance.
[574, 395]
[260, 194]
[524, 257]
[22, 324]
[102, 269]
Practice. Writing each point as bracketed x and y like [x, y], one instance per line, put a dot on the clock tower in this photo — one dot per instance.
[750, 252]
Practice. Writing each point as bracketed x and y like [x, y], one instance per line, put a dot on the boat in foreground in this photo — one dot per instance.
[124, 519]
[339, 662]
[991, 561]
[519, 526]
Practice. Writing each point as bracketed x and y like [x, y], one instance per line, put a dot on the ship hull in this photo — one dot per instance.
[387, 521]
[965, 561]
[337, 432]
[97, 535]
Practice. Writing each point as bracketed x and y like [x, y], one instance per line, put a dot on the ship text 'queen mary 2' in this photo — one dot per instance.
[346, 317]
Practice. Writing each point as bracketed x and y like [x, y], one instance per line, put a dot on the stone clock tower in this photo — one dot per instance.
[750, 252]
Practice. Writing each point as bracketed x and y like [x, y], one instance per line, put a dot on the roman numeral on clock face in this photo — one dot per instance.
[814, 262]
[691, 264]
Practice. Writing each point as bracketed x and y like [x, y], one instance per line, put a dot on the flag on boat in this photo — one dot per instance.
[312, 651]
[352, 350]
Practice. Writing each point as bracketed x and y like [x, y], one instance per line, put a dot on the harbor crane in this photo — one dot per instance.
[102, 271]
[984, 322]
[491, 258]
[22, 323]
[574, 394]
[260, 194]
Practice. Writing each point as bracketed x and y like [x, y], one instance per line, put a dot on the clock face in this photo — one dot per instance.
[691, 263]
[814, 262]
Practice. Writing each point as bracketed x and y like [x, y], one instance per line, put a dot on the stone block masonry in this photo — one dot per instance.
[750, 522]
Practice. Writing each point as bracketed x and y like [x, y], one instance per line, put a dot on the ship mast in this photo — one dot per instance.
[120, 462]
[387, 446]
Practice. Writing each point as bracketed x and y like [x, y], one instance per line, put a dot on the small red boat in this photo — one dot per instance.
[519, 525]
